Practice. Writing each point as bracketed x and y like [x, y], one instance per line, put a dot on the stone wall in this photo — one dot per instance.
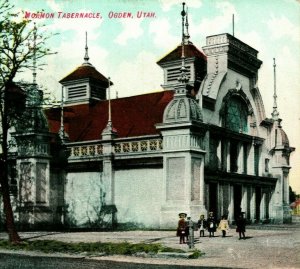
[138, 196]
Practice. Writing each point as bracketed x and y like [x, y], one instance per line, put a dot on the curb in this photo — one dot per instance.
[186, 255]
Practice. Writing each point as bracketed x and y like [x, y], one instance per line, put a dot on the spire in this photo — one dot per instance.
[86, 56]
[109, 132]
[183, 78]
[109, 104]
[187, 35]
[275, 113]
[34, 54]
[233, 24]
[62, 133]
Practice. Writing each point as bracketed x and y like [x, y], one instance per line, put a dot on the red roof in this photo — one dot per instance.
[189, 51]
[85, 71]
[131, 116]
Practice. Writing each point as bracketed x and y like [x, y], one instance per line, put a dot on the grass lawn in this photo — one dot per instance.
[125, 248]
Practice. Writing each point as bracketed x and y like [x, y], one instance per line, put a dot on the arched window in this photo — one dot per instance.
[236, 115]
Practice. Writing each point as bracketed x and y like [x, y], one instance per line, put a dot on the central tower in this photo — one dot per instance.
[183, 154]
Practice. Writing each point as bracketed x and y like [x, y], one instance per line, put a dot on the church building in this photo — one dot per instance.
[201, 144]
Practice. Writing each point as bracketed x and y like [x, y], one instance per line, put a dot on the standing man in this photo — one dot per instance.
[241, 226]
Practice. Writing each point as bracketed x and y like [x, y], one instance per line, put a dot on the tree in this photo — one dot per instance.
[292, 194]
[21, 46]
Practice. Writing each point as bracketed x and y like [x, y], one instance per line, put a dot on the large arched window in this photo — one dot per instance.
[236, 115]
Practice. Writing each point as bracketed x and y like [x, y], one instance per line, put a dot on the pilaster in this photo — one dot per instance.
[108, 205]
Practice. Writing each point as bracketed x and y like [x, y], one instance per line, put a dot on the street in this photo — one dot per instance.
[12, 261]
[266, 246]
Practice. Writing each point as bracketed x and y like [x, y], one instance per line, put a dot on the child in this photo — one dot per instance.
[211, 224]
[182, 228]
[202, 225]
[223, 225]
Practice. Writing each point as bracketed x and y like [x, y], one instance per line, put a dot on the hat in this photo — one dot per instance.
[182, 215]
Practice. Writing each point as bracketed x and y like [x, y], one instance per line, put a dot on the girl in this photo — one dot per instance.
[223, 225]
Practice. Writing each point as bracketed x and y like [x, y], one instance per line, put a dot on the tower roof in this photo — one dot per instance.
[83, 72]
[131, 116]
[190, 50]
[86, 70]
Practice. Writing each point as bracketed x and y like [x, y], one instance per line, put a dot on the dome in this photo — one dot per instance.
[181, 110]
[283, 138]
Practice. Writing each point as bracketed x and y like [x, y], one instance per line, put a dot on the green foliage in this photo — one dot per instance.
[174, 250]
[124, 248]
[195, 255]
[292, 195]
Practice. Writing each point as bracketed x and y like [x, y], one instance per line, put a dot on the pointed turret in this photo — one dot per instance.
[280, 139]
[275, 113]
[280, 152]
[183, 107]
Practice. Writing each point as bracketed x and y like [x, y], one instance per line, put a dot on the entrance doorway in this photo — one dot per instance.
[237, 198]
[213, 198]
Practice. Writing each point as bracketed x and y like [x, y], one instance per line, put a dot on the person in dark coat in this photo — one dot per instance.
[182, 229]
[241, 226]
[202, 225]
[211, 224]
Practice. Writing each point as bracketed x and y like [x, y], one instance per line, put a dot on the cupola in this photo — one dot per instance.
[85, 84]
[195, 64]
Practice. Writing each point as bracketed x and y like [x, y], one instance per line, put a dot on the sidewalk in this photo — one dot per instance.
[273, 247]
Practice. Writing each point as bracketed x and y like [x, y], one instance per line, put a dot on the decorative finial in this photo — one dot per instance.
[183, 78]
[109, 104]
[86, 56]
[275, 113]
[233, 24]
[62, 134]
[109, 132]
[34, 54]
[187, 35]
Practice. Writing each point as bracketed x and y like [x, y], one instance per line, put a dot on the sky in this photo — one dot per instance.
[127, 49]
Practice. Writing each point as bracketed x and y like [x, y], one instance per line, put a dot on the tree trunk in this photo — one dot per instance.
[9, 217]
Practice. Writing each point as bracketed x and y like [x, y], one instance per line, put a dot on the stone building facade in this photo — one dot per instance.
[202, 144]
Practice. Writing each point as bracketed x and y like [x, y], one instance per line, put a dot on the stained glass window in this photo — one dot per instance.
[236, 115]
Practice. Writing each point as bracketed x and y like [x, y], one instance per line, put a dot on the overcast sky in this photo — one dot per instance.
[127, 49]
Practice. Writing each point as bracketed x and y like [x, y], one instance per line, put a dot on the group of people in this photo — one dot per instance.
[211, 225]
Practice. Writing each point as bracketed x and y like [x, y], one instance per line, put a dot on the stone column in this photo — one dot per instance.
[108, 135]
[202, 184]
[252, 203]
[244, 200]
[263, 206]
[231, 204]
[228, 156]
[240, 158]
[250, 162]
[220, 199]
[219, 154]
